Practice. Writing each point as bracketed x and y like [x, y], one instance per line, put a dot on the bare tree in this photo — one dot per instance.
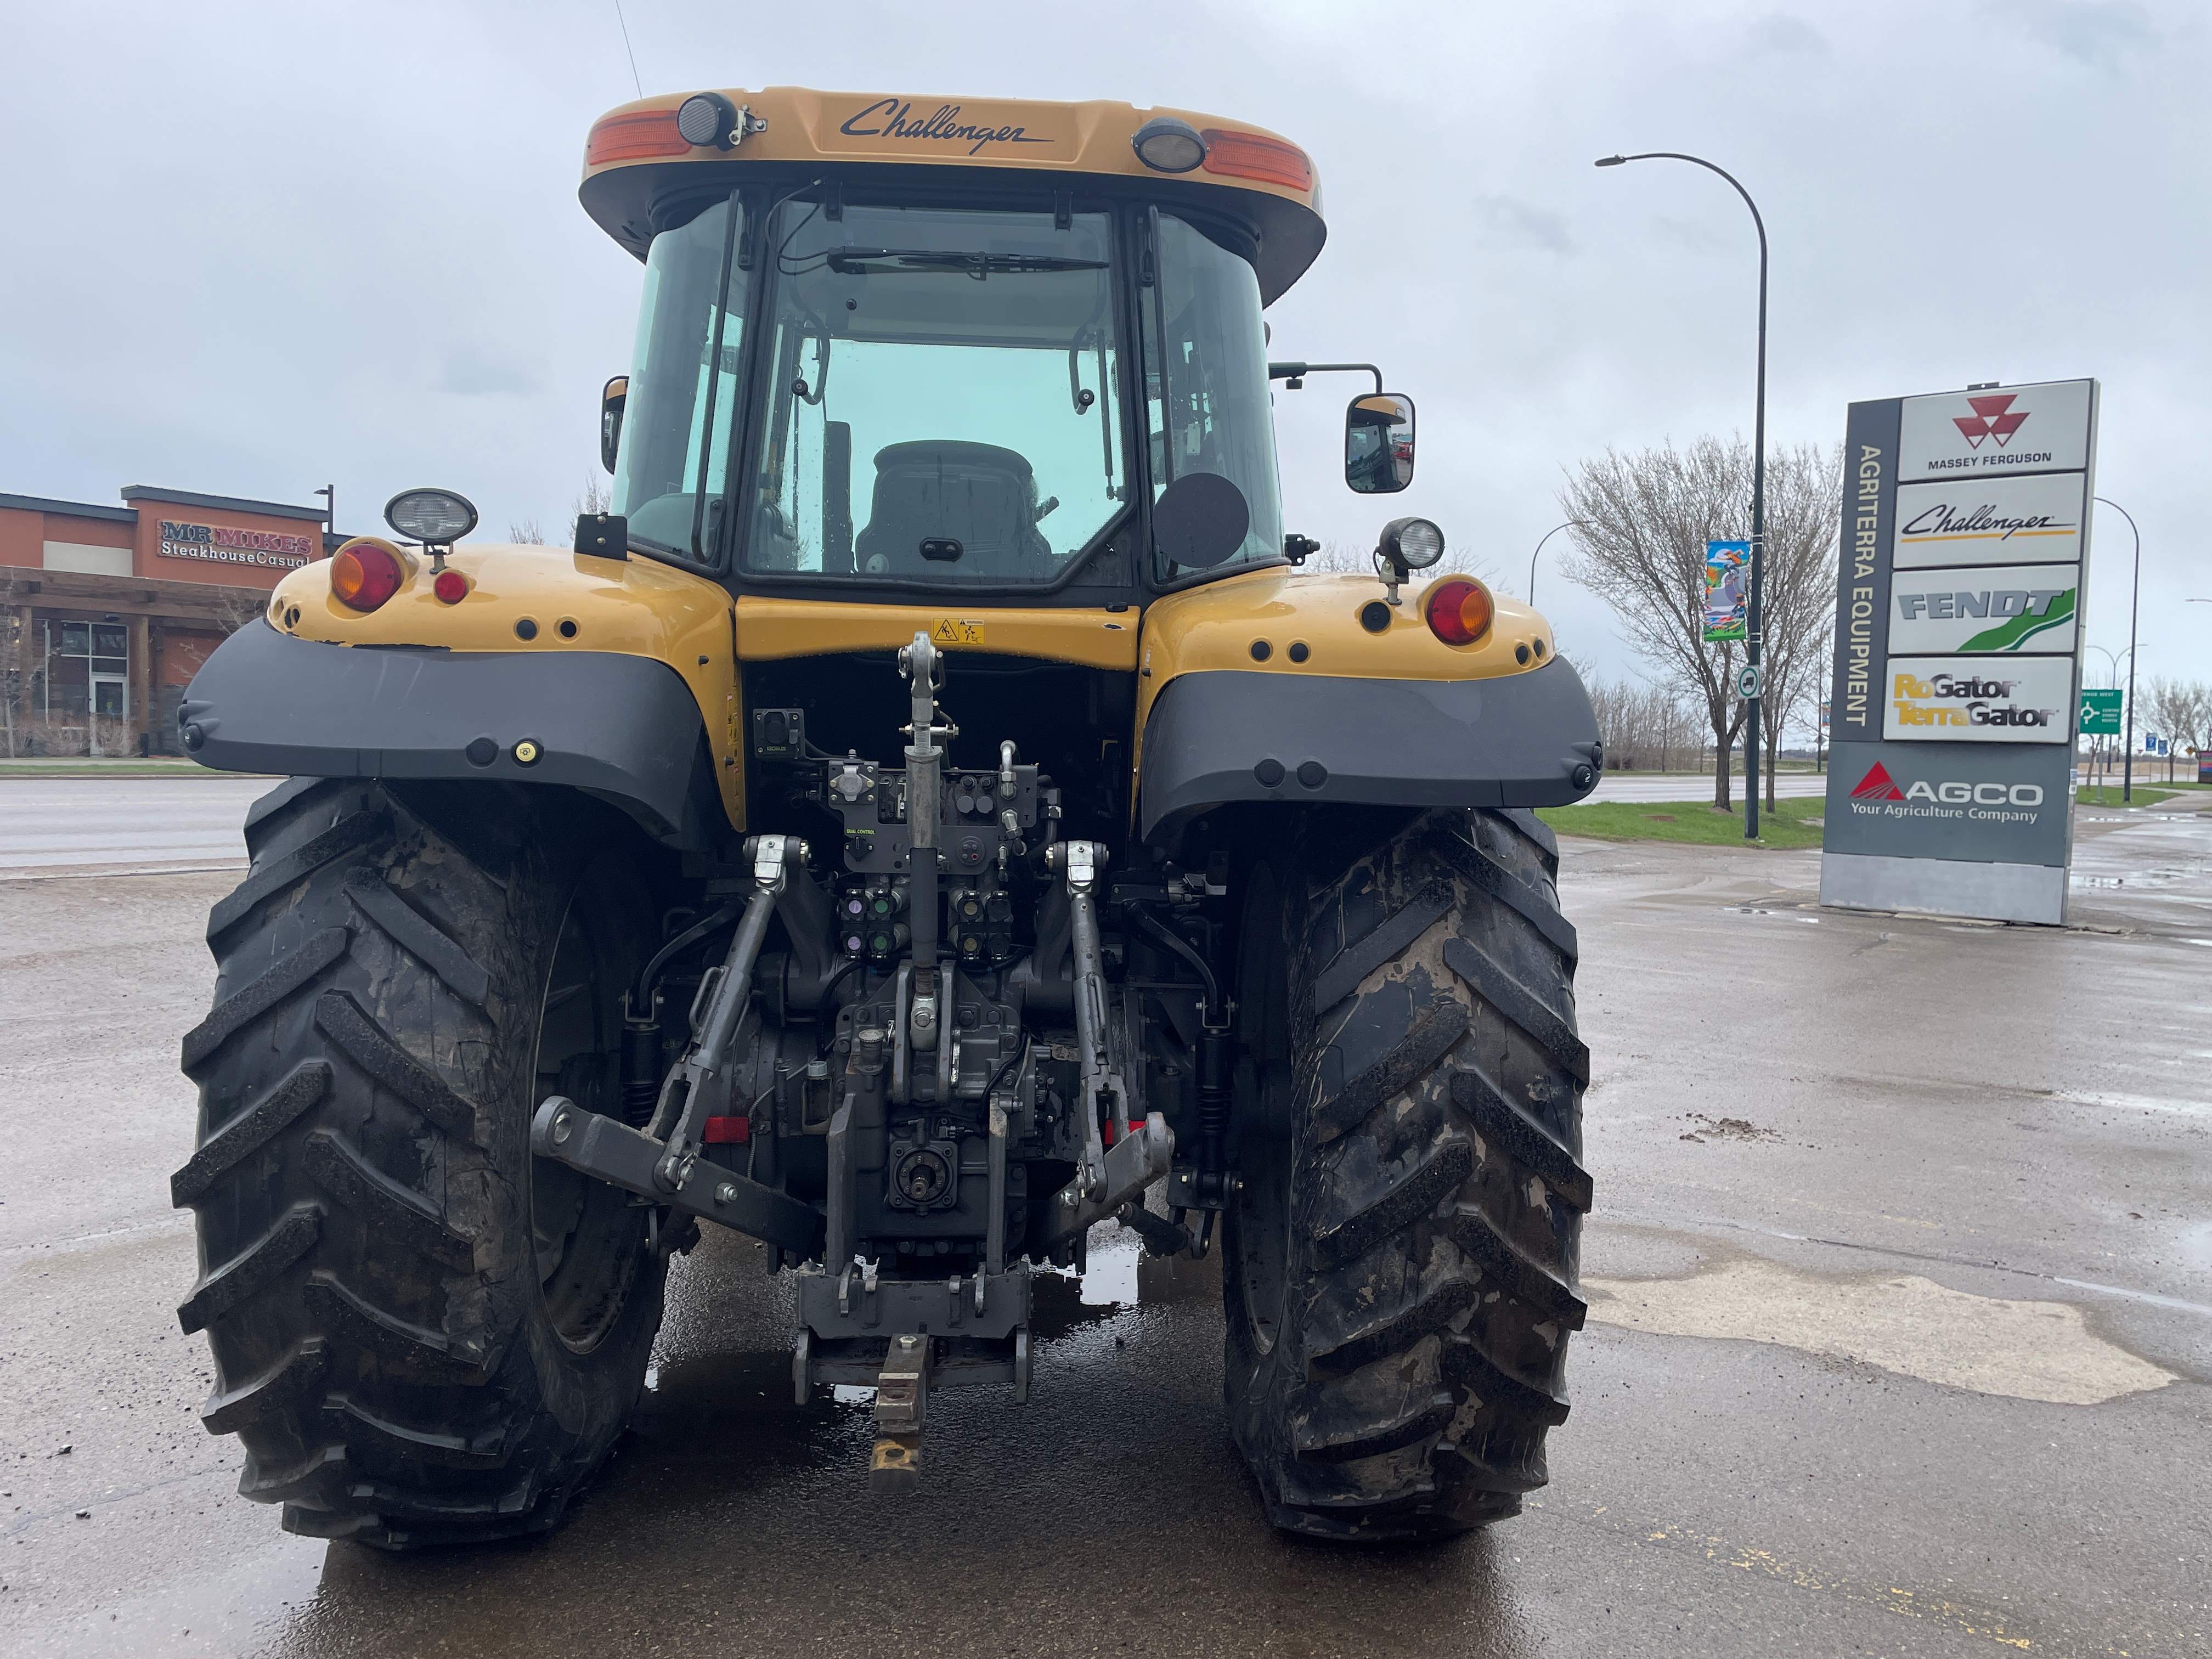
[2182, 711]
[1347, 558]
[235, 607]
[1641, 547]
[15, 656]
[591, 498]
[1647, 727]
[1804, 506]
[594, 498]
[1342, 558]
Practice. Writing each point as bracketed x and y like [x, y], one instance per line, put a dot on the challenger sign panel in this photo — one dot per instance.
[2035, 519]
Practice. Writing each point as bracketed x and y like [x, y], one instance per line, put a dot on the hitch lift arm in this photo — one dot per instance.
[664, 1169]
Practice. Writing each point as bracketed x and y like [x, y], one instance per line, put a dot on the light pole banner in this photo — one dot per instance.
[2003, 609]
[1728, 572]
[2032, 519]
[1961, 578]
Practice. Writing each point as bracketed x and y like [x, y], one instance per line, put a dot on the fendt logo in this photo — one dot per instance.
[1878, 785]
[1992, 418]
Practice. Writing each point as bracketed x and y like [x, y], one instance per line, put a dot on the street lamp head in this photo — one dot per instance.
[1609, 161]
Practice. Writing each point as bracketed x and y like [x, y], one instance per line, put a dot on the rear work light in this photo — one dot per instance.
[635, 136]
[365, 573]
[1458, 610]
[1256, 156]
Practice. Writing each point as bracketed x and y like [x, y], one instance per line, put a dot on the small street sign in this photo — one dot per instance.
[1747, 682]
[2101, 712]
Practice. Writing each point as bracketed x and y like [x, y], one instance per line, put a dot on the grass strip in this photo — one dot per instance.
[1782, 828]
[2109, 795]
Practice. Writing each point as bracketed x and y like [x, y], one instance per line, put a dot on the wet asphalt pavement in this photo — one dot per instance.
[1901, 1287]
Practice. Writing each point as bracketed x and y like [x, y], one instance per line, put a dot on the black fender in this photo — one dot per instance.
[624, 728]
[1221, 736]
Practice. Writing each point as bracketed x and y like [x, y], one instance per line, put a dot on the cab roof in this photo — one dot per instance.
[635, 158]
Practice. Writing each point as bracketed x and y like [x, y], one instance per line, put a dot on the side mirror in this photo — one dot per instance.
[1378, 444]
[610, 413]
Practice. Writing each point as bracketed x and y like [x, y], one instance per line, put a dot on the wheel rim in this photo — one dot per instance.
[1259, 1237]
[586, 1236]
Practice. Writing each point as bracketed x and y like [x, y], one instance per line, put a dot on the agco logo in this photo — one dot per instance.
[1992, 418]
[1879, 785]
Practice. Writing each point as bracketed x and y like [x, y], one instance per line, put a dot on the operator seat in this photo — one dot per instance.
[979, 495]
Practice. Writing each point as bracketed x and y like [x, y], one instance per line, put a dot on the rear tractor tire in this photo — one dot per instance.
[1400, 1266]
[423, 1334]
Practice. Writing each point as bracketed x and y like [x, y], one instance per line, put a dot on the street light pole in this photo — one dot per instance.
[1758, 491]
[1570, 525]
[2134, 601]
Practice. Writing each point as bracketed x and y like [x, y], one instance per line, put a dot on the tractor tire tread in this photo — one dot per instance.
[293, 969]
[352, 831]
[367, 1283]
[1436, 1194]
[254, 1268]
[247, 1133]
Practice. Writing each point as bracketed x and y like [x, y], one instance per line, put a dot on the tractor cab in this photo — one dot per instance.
[892, 347]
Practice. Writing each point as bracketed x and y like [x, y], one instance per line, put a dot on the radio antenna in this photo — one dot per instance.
[629, 49]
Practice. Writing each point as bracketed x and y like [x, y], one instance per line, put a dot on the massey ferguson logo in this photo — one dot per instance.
[1992, 419]
[1879, 785]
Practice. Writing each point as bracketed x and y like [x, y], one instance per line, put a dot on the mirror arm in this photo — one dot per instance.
[1295, 372]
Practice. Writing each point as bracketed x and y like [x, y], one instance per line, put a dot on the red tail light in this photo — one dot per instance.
[1458, 610]
[634, 136]
[1255, 155]
[450, 586]
[365, 573]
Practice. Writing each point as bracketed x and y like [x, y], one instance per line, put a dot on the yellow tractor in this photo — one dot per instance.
[930, 815]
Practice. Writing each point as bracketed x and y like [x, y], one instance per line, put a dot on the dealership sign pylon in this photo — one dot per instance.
[1960, 579]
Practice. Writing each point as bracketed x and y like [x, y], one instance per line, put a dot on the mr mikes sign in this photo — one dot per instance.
[222, 543]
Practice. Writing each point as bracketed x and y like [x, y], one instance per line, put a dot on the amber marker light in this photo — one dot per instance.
[1254, 155]
[635, 136]
[1458, 610]
[365, 573]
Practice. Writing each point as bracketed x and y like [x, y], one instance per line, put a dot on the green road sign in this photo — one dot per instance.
[2101, 712]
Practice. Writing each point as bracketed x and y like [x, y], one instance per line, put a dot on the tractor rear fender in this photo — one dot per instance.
[624, 728]
[1311, 690]
[1523, 740]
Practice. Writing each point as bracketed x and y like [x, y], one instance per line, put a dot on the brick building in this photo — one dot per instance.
[105, 612]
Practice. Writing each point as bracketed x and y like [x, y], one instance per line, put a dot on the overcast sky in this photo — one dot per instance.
[255, 249]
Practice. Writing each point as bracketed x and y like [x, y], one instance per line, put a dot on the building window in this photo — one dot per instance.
[108, 644]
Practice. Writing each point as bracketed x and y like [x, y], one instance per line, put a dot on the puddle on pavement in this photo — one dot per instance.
[2197, 1246]
[2165, 1105]
[2041, 1351]
[2161, 877]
